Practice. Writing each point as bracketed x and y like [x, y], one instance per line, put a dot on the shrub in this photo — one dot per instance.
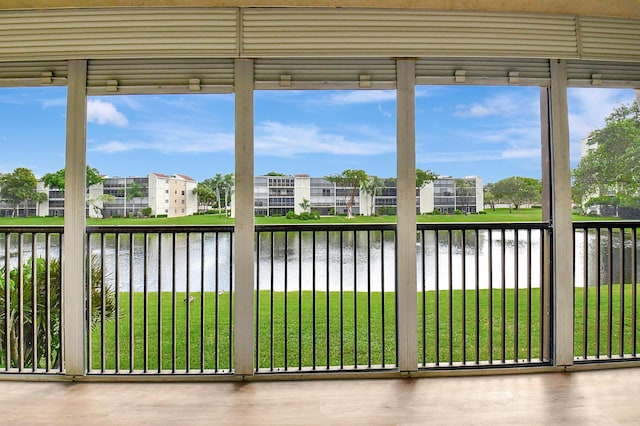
[53, 291]
[291, 215]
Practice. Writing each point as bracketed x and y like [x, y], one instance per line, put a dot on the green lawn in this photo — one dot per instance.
[331, 338]
[499, 215]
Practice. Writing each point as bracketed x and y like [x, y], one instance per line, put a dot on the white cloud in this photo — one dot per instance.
[101, 112]
[54, 102]
[113, 147]
[513, 153]
[457, 157]
[362, 96]
[277, 139]
[170, 139]
[499, 105]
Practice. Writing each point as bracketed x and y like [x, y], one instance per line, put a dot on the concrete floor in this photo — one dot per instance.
[605, 397]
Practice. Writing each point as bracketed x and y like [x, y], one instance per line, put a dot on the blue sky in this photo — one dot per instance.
[491, 132]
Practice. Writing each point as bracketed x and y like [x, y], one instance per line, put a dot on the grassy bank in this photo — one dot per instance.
[332, 335]
[499, 215]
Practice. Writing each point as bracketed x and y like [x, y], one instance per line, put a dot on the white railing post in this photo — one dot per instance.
[406, 232]
[562, 244]
[244, 224]
[73, 260]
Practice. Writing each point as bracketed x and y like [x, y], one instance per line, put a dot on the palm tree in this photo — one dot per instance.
[132, 191]
[228, 182]
[372, 187]
[305, 205]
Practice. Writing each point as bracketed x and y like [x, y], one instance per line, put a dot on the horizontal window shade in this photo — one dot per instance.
[360, 35]
[330, 73]
[349, 32]
[118, 33]
[33, 73]
[160, 76]
[610, 38]
[483, 71]
[601, 73]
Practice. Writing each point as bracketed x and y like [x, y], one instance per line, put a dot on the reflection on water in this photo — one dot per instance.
[613, 262]
[333, 260]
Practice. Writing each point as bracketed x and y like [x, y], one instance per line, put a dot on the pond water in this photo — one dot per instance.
[364, 262]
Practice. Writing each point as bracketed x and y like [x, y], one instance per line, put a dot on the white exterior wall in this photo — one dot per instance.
[426, 198]
[42, 209]
[301, 191]
[479, 194]
[95, 201]
[158, 194]
[191, 206]
[364, 200]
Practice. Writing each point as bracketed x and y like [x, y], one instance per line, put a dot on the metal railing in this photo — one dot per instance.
[606, 294]
[30, 299]
[484, 293]
[325, 298]
[160, 299]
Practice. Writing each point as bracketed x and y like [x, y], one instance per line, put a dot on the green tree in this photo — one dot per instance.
[97, 204]
[222, 185]
[517, 190]
[216, 184]
[18, 187]
[465, 190]
[56, 179]
[133, 191]
[350, 180]
[39, 198]
[305, 205]
[610, 171]
[206, 195]
[228, 183]
[424, 177]
[489, 197]
[372, 187]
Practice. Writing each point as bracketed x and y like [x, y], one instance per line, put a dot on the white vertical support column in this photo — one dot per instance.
[545, 139]
[406, 232]
[244, 226]
[74, 318]
[562, 244]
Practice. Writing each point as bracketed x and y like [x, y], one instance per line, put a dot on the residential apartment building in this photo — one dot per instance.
[160, 194]
[448, 194]
[157, 193]
[278, 195]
